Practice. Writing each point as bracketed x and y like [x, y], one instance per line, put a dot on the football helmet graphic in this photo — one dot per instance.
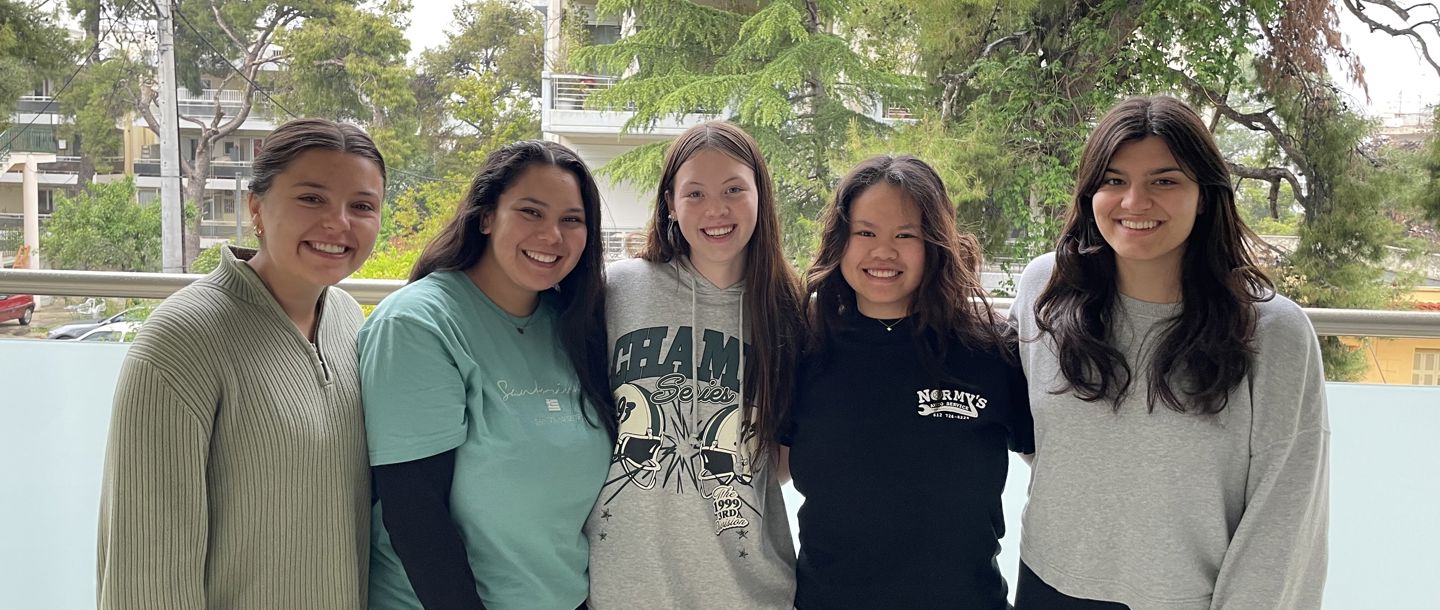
[725, 451]
[641, 425]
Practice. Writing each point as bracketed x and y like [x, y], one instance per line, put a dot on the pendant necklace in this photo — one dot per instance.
[891, 326]
[521, 328]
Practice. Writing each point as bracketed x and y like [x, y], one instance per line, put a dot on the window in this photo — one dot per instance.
[603, 33]
[1427, 367]
[47, 201]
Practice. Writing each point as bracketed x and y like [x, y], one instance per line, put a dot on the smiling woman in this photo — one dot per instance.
[235, 471]
[485, 399]
[1181, 436]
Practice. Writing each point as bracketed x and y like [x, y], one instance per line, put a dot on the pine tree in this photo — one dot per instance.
[782, 71]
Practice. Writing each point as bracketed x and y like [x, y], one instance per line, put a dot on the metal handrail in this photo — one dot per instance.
[145, 285]
[1327, 322]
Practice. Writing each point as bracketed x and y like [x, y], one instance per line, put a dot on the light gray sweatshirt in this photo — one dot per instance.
[688, 518]
[1164, 511]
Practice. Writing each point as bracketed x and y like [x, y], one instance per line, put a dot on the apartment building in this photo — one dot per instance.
[598, 136]
[38, 127]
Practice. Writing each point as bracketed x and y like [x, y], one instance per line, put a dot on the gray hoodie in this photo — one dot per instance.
[1166, 511]
[688, 517]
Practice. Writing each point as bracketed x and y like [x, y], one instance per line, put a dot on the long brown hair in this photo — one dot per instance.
[772, 294]
[1205, 351]
[580, 296]
[949, 304]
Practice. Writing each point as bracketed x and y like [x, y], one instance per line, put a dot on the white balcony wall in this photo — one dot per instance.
[55, 411]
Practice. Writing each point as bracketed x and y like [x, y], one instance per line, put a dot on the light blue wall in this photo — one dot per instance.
[55, 407]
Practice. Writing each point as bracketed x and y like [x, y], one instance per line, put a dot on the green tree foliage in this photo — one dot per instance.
[485, 80]
[1429, 200]
[474, 94]
[780, 69]
[103, 229]
[33, 47]
[342, 65]
[1009, 91]
[350, 65]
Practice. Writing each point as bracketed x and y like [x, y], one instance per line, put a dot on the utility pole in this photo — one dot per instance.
[172, 212]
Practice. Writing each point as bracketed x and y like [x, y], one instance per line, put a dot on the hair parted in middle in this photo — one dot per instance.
[772, 288]
[949, 303]
[580, 296]
[1204, 352]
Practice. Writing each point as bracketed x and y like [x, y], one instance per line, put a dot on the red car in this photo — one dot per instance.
[17, 307]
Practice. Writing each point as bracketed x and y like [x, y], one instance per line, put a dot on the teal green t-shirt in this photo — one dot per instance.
[442, 367]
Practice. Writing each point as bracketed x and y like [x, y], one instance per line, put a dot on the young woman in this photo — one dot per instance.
[485, 398]
[1180, 428]
[906, 403]
[235, 473]
[704, 330]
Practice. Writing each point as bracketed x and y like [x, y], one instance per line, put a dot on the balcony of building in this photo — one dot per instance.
[55, 408]
[36, 104]
[567, 111]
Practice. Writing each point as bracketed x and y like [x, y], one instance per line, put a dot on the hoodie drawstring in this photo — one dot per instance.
[695, 353]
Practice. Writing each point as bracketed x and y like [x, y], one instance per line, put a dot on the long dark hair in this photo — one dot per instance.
[1205, 351]
[949, 304]
[772, 294]
[580, 297]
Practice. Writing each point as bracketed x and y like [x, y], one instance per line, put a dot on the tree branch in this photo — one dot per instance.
[1270, 174]
[196, 121]
[147, 97]
[1254, 121]
[220, 20]
[1273, 175]
[1357, 8]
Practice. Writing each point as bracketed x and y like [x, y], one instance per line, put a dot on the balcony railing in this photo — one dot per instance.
[37, 104]
[201, 104]
[1327, 322]
[219, 168]
[55, 401]
[570, 91]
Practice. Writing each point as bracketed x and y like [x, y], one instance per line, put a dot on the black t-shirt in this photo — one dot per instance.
[902, 471]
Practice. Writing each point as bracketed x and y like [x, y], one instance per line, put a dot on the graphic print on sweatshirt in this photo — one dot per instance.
[678, 433]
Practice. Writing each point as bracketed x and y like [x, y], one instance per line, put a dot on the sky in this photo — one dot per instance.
[1397, 77]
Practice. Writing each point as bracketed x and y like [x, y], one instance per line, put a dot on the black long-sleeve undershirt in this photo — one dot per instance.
[415, 499]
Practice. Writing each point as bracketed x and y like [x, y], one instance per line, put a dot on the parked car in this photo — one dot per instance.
[75, 329]
[17, 307]
[118, 332]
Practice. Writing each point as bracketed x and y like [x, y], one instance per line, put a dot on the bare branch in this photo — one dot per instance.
[1273, 175]
[1357, 8]
[224, 27]
[995, 44]
[190, 119]
[148, 95]
[1254, 121]
[273, 59]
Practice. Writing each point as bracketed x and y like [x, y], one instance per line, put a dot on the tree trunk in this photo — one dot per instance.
[194, 191]
[1274, 200]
